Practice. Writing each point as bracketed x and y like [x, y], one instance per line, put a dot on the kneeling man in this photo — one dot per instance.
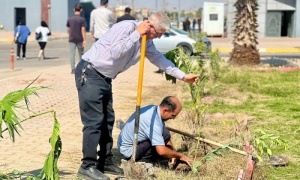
[154, 140]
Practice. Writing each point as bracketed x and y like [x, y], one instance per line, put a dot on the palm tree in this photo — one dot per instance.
[245, 42]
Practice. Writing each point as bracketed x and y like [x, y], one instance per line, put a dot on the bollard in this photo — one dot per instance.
[12, 59]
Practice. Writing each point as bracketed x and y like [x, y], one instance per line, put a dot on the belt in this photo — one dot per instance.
[88, 65]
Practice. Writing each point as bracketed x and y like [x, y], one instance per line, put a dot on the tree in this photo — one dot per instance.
[199, 13]
[245, 42]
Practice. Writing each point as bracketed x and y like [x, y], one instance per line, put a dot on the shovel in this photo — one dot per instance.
[132, 169]
[139, 96]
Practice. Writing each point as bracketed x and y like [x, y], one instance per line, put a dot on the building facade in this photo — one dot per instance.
[32, 12]
[276, 18]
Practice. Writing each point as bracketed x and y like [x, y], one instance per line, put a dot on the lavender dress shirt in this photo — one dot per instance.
[119, 48]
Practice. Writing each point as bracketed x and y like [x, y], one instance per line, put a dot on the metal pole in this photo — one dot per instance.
[49, 14]
[178, 24]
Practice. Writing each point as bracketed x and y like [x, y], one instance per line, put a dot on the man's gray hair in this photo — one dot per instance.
[160, 20]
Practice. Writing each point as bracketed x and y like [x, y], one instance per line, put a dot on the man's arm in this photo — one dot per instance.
[158, 59]
[92, 30]
[166, 152]
[83, 32]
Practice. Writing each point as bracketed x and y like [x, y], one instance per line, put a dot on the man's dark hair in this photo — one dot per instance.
[127, 9]
[168, 103]
[103, 2]
[78, 7]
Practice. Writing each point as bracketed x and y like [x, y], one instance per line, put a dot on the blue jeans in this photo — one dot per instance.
[97, 114]
[73, 47]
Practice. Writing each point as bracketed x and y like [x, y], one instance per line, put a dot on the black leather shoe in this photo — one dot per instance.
[92, 173]
[110, 168]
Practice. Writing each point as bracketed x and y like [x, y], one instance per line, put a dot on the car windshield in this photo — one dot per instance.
[179, 31]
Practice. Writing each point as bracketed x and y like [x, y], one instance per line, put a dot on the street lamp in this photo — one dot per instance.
[178, 14]
[49, 15]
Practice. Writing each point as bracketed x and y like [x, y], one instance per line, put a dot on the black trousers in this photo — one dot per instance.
[97, 114]
[146, 152]
[23, 45]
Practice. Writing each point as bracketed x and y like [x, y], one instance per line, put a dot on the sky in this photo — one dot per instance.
[170, 4]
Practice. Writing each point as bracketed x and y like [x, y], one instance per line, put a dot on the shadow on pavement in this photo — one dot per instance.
[49, 58]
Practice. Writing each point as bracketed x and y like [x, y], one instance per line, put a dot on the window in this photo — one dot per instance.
[213, 17]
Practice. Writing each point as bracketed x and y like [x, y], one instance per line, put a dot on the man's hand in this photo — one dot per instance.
[144, 27]
[186, 159]
[191, 78]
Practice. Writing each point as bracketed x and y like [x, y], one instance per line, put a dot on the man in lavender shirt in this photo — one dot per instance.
[116, 51]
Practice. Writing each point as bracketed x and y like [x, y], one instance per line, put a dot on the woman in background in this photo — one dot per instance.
[44, 29]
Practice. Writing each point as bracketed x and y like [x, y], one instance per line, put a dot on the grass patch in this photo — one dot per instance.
[273, 98]
[268, 98]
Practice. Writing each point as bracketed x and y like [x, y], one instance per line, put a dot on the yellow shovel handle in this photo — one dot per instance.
[141, 71]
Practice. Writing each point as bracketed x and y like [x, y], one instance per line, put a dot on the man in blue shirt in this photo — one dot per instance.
[154, 140]
[116, 51]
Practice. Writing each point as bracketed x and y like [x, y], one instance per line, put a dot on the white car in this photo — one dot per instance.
[177, 38]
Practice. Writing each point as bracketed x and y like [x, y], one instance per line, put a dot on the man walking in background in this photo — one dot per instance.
[77, 35]
[101, 20]
[126, 16]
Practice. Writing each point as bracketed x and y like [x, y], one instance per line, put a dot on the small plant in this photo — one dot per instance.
[9, 107]
[264, 143]
[196, 65]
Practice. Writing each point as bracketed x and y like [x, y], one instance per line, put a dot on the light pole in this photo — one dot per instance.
[178, 24]
[49, 14]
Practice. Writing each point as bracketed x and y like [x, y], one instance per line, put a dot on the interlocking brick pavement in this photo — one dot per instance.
[31, 148]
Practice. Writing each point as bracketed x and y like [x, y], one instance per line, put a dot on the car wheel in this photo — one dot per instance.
[187, 49]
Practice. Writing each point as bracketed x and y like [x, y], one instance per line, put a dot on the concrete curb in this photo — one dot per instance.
[263, 50]
[11, 40]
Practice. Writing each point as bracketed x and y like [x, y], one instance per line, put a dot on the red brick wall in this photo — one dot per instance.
[44, 10]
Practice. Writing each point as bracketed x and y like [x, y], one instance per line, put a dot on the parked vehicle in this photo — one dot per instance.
[177, 38]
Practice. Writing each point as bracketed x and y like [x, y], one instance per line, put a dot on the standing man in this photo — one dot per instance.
[77, 35]
[154, 139]
[101, 20]
[194, 24]
[199, 24]
[126, 16]
[115, 52]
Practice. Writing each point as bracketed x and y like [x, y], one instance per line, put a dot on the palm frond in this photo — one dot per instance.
[9, 105]
[50, 169]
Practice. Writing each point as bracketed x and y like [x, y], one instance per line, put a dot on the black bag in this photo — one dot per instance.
[38, 35]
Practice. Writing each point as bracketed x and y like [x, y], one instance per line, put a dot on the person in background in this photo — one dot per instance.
[184, 24]
[21, 34]
[154, 139]
[115, 52]
[101, 20]
[199, 24]
[188, 25]
[126, 16]
[77, 35]
[45, 31]
[194, 24]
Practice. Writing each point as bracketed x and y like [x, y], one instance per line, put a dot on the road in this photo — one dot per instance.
[57, 53]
